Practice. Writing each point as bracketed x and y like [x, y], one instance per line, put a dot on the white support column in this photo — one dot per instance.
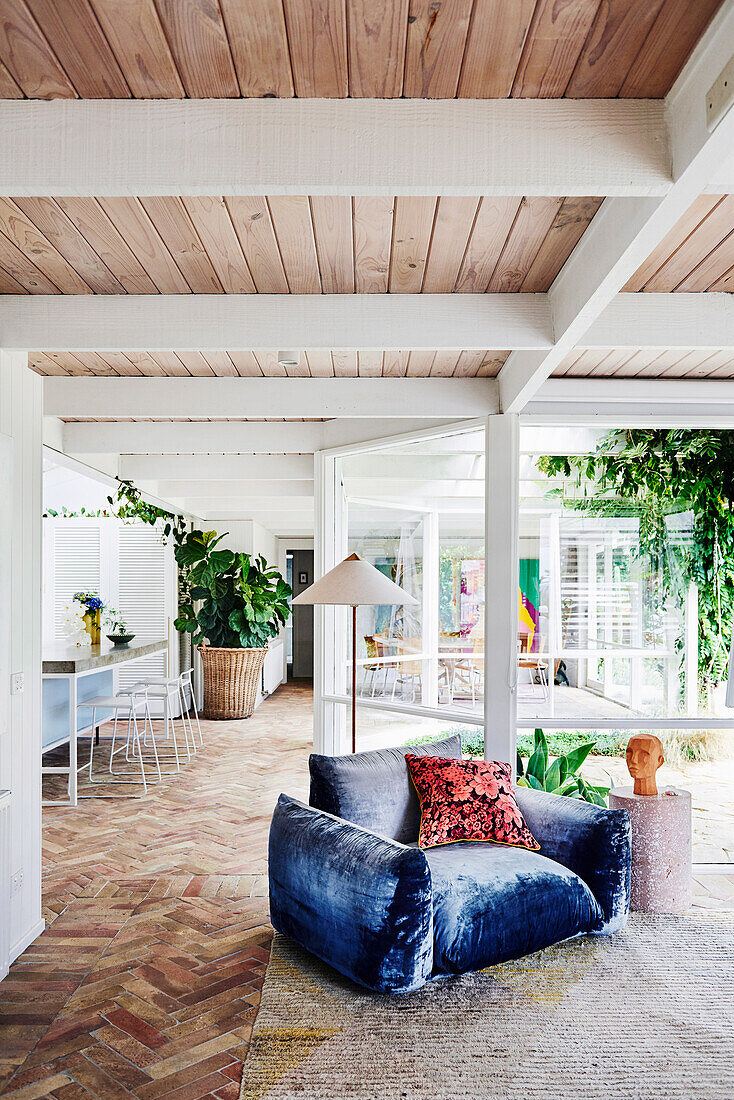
[691, 651]
[330, 623]
[501, 584]
[429, 680]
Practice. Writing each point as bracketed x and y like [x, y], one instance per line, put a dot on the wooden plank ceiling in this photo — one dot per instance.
[315, 363]
[648, 363]
[282, 244]
[696, 255]
[334, 48]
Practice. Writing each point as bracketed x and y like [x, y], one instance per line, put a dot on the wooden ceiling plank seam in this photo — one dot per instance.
[170, 364]
[468, 364]
[491, 367]
[725, 284]
[79, 44]
[120, 363]
[99, 232]
[492, 226]
[678, 27]
[332, 220]
[711, 268]
[317, 37]
[395, 363]
[535, 216]
[372, 227]
[9, 285]
[42, 364]
[658, 367]
[616, 362]
[552, 47]
[452, 230]
[444, 363]
[701, 368]
[419, 364]
[250, 216]
[494, 46]
[57, 227]
[674, 239]
[369, 363]
[258, 42]
[87, 363]
[136, 36]
[246, 364]
[168, 214]
[435, 46]
[269, 365]
[213, 225]
[28, 56]
[145, 363]
[725, 369]
[345, 362]
[570, 360]
[221, 363]
[195, 363]
[570, 224]
[294, 233]
[9, 89]
[15, 224]
[23, 270]
[412, 230]
[706, 236]
[319, 362]
[198, 41]
[617, 35]
[376, 48]
[134, 225]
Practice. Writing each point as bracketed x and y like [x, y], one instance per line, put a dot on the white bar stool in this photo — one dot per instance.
[187, 684]
[127, 704]
[167, 691]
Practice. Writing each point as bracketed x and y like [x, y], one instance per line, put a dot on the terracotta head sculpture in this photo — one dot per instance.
[644, 757]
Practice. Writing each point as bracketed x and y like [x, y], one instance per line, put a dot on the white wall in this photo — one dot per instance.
[21, 412]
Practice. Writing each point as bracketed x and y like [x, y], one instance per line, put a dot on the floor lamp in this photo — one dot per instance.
[352, 583]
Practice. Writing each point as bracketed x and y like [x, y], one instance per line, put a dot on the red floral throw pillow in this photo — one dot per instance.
[467, 800]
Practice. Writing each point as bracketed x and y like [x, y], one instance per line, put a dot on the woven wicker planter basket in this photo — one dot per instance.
[231, 680]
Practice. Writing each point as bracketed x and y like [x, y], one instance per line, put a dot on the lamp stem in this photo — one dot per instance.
[354, 678]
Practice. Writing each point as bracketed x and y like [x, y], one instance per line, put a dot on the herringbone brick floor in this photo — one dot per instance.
[147, 978]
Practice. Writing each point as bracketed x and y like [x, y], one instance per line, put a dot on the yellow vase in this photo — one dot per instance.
[93, 624]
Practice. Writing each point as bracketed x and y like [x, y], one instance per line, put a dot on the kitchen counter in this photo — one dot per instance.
[61, 659]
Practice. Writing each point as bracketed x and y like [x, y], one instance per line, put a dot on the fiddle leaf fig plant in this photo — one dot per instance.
[234, 601]
[561, 776]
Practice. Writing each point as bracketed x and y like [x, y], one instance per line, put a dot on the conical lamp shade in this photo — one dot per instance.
[354, 582]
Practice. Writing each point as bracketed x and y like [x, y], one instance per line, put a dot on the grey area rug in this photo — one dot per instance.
[647, 1014]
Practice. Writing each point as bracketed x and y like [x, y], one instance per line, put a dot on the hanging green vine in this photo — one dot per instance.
[654, 474]
[128, 504]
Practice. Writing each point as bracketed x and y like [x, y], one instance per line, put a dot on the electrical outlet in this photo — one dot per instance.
[17, 683]
[16, 882]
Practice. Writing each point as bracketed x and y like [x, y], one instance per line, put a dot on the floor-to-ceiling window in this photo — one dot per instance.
[620, 626]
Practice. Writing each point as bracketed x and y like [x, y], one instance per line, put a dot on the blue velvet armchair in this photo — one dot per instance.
[348, 882]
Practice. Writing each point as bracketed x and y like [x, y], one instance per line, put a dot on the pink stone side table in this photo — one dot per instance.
[662, 878]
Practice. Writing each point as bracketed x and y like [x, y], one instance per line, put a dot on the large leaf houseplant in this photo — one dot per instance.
[236, 603]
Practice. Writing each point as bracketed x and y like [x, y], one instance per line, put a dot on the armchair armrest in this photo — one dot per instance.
[591, 841]
[360, 902]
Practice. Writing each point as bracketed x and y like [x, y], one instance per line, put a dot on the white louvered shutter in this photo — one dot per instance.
[145, 577]
[76, 564]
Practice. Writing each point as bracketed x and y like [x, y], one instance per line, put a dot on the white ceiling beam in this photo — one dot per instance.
[413, 488]
[65, 322]
[625, 230]
[634, 402]
[247, 504]
[268, 397]
[219, 467]
[230, 437]
[327, 147]
[703, 321]
[398, 467]
[202, 489]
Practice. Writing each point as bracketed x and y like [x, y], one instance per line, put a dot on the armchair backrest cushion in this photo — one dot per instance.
[374, 789]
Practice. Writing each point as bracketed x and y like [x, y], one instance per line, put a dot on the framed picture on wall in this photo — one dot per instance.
[303, 578]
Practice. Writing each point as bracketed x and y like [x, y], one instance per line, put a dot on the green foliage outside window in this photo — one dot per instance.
[654, 474]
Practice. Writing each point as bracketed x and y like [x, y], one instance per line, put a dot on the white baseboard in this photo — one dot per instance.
[32, 934]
